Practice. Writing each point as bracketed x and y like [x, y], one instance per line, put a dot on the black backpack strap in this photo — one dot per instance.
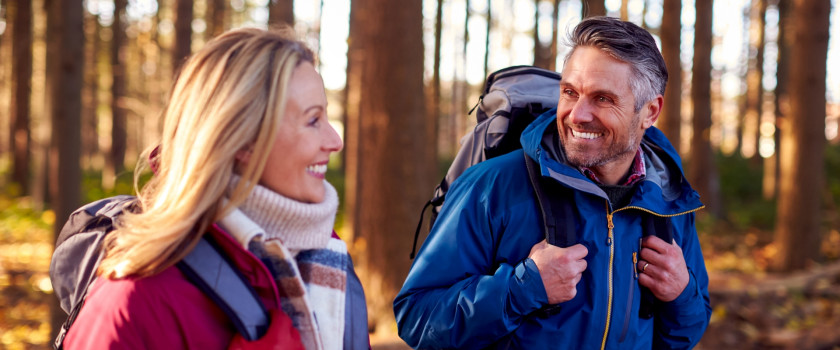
[556, 209]
[659, 226]
[434, 202]
[58, 343]
[417, 231]
[210, 271]
[557, 214]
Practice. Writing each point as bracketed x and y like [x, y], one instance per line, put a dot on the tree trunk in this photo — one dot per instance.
[181, 48]
[798, 229]
[352, 94]
[281, 12]
[115, 162]
[465, 86]
[545, 56]
[21, 13]
[486, 38]
[592, 8]
[66, 42]
[5, 70]
[160, 79]
[90, 98]
[460, 86]
[624, 13]
[755, 75]
[391, 34]
[770, 183]
[540, 50]
[216, 10]
[555, 23]
[436, 104]
[703, 171]
[670, 122]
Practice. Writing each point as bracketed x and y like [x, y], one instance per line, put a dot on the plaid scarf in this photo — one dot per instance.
[293, 240]
[312, 286]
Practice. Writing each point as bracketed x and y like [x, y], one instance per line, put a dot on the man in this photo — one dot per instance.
[486, 278]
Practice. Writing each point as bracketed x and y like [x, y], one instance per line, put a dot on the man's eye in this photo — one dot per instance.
[569, 93]
[604, 99]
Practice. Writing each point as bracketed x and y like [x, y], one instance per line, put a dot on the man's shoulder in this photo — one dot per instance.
[503, 178]
[504, 167]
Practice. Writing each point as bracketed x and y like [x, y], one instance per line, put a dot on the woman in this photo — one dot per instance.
[242, 159]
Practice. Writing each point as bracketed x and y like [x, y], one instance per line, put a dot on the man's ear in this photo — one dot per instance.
[651, 110]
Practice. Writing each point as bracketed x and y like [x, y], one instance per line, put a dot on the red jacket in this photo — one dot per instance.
[167, 311]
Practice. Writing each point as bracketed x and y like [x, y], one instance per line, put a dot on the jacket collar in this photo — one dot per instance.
[665, 189]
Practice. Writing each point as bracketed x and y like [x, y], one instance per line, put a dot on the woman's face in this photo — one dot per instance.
[298, 159]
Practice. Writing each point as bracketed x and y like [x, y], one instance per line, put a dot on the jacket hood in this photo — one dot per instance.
[665, 188]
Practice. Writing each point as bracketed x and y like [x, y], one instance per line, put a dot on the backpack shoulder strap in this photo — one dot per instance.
[210, 271]
[559, 225]
[58, 343]
[659, 226]
[557, 214]
[556, 208]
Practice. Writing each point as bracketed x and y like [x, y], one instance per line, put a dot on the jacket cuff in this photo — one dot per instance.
[688, 295]
[527, 290]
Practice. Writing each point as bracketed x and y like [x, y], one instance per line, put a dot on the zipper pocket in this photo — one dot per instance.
[628, 310]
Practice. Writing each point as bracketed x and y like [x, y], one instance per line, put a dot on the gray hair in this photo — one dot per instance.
[629, 43]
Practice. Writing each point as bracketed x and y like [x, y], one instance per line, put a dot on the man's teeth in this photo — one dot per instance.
[585, 135]
[318, 169]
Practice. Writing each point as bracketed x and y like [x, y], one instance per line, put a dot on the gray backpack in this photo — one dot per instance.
[512, 98]
[78, 253]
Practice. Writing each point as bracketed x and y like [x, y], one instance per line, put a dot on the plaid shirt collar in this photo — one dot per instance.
[637, 171]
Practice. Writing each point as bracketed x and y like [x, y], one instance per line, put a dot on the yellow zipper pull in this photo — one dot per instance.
[635, 262]
[610, 226]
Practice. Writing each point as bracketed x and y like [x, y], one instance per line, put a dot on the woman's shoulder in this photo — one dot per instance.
[165, 308]
[168, 285]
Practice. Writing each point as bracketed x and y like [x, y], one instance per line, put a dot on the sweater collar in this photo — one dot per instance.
[272, 216]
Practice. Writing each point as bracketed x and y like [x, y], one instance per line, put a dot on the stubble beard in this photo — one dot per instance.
[575, 155]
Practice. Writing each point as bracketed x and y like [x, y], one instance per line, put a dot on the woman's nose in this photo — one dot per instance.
[332, 142]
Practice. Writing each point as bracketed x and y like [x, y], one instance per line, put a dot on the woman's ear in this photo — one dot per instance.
[243, 156]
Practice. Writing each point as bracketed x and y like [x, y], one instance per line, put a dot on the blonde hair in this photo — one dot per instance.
[229, 97]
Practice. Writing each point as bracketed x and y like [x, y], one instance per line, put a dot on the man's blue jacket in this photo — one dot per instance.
[473, 286]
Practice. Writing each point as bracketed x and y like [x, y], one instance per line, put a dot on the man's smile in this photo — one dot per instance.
[587, 135]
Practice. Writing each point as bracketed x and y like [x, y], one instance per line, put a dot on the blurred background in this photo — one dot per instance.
[753, 106]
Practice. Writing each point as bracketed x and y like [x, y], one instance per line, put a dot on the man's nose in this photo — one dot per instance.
[582, 112]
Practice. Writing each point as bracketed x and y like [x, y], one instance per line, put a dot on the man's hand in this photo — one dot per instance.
[662, 268]
[560, 269]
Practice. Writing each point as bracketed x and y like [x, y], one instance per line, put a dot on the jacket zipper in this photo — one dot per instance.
[610, 227]
[660, 215]
[610, 277]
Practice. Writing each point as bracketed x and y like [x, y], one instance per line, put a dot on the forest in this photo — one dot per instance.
[752, 105]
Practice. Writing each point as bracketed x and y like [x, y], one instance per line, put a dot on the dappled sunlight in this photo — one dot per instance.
[25, 288]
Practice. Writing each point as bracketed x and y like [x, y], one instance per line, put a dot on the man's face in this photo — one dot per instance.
[595, 118]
